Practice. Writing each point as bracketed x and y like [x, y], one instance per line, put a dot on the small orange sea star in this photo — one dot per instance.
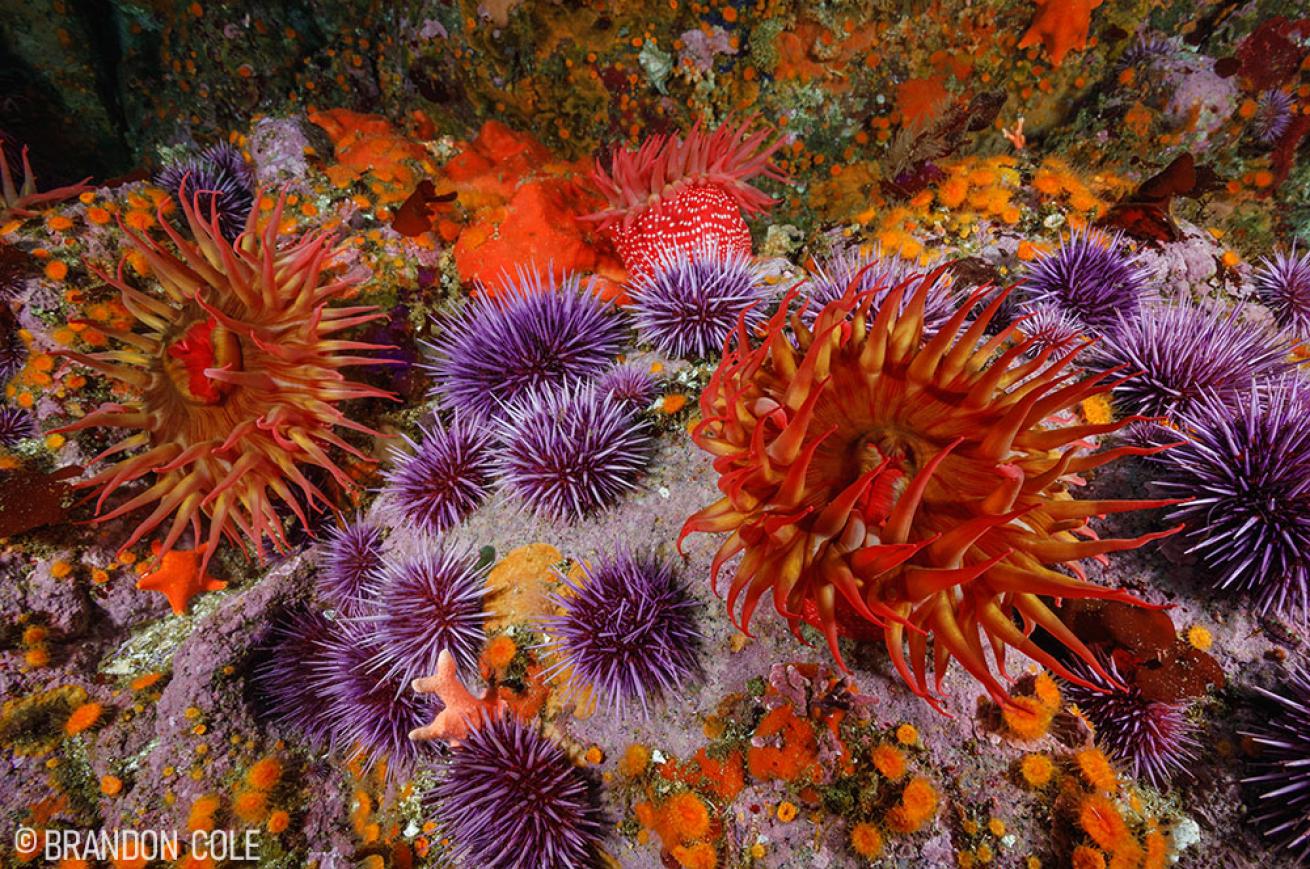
[463, 711]
[1060, 25]
[179, 577]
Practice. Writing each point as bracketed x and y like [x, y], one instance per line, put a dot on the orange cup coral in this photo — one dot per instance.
[911, 483]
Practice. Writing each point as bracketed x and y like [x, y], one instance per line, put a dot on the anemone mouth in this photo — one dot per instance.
[198, 349]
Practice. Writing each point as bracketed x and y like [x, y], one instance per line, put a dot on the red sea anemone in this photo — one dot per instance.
[871, 477]
[682, 194]
[235, 372]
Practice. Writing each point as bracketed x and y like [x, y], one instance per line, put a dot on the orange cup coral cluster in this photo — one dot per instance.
[237, 379]
[872, 477]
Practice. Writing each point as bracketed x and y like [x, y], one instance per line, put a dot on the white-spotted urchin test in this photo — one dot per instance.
[692, 299]
[626, 632]
[444, 476]
[571, 451]
[510, 798]
[350, 555]
[1246, 469]
[533, 333]
[426, 602]
[1281, 780]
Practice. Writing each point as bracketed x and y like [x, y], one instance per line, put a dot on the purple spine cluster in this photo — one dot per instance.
[366, 715]
[351, 553]
[571, 451]
[222, 180]
[511, 799]
[1281, 783]
[1282, 284]
[627, 631]
[444, 477]
[16, 425]
[425, 603]
[878, 273]
[631, 384]
[1180, 354]
[1246, 469]
[1153, 739]
[1090, 278]
[532, 334]
[691, 301]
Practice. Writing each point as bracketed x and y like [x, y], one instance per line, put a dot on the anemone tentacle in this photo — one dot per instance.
[912, 484]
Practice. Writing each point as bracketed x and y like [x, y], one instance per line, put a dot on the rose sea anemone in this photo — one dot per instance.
[870, 478]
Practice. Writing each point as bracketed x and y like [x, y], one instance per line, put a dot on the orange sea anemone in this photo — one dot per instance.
[870, 477]
[236, 375]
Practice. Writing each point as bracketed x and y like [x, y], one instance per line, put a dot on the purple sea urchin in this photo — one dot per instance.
[1153, 739]
[1090, 278]
[511, 799]
[367, 714]
[427, 602]
[633, 385]
[532, 333]
[228, 158]
[1282, 284]
[569, 451]
[223, 182]
[1273, 115]
[1049, 326]
[626, 632]
[1183, 353]
[1246, 467]
[1282, 779]
[875, 272]
[15, 425]
[13, 352]
[285, 695]
[691, 300]
[350, 556]
[444, 477]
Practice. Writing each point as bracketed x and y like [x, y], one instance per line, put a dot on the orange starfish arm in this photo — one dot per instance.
[463, 711]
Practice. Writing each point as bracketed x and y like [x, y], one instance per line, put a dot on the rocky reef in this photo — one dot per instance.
[686, 434]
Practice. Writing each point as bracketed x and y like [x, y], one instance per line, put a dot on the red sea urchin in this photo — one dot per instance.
[681, 194]
[237, 382]
[910, 485]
